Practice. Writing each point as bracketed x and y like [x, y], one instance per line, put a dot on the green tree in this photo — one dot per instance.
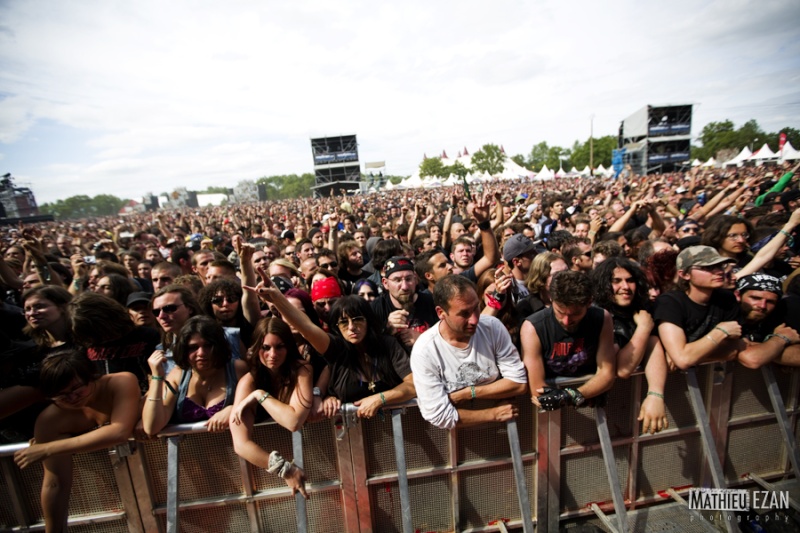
[580, 152]
[750, 134]
[520, 160]
[792, 136]
[433, 167]
[216, 190]
[489, 159]
[287, 186]
[538, 156]
[458, 169]
[714, 137]
[81, 206]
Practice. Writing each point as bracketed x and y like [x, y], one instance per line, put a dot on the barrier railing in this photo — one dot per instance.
[400, 473]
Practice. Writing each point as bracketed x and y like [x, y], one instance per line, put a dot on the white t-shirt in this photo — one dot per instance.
[440, 368]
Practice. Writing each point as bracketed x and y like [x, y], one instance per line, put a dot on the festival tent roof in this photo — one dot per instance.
[389, 185]
[586, 171]
[762, 154]
[431, 184]
[560, 173]
[600, 170]
[739, 159]
[789, 152]
[696, 163]
[710, 163]
[545, 174]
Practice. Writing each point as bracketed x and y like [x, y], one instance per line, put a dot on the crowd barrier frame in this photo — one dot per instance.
[398, 473]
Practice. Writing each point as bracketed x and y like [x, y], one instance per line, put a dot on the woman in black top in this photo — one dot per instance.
[368, 368]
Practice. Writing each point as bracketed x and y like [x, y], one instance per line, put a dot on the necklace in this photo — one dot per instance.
[373, 379]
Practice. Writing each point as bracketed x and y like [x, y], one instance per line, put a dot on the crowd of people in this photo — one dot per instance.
[286, 310]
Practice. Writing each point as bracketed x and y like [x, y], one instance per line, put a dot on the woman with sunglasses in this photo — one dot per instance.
[173, 306]
[279, 385]
[368, 367]
[88, 413]
[222, 300]
[200, 387]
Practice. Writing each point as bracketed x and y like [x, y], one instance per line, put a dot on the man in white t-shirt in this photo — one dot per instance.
[465, 356]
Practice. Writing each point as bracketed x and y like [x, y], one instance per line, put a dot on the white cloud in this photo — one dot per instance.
[200, 93]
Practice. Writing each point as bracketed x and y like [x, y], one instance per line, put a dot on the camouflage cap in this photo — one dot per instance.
[700, 256]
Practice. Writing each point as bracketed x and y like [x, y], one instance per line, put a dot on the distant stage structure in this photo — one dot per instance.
[336, 165]
[657, 138]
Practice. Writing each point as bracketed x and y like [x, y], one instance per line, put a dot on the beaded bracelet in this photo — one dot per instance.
[472, 390]
[784, 338]
[657, 394]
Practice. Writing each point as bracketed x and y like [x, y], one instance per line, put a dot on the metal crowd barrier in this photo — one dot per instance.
[398, 473]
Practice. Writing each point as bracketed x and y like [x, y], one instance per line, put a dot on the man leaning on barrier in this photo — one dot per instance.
[465, 356]
[570, 338]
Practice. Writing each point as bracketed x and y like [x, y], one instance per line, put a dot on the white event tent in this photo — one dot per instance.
[789, 152]
[739, 159]
[763, 154]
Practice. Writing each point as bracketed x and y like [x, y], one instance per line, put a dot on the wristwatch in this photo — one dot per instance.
[316, 391]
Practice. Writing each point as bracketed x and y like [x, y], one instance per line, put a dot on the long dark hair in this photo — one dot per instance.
[376, 342]
[290, 367]
[211, 332]
[603, 292]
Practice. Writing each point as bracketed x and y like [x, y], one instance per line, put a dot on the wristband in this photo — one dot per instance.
[472, 391]
[261, 400]
[788, 235]
[784, 338]
[485, 225]
[155, 399]
[723, 330]
[709, 337]
[156, 378]
[657, 394]
[383, 400]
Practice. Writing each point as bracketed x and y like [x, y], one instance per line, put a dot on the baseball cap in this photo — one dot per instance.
[517, 245]
[700, 256]
[137, 297]
[287, 234]
[397, 264]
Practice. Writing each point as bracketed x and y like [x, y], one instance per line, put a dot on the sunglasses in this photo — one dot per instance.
[356, 321]
[217, 300]
[332, 264]
[169, 309]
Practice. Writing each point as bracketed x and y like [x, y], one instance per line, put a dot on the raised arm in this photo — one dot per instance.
[314, 334]
[250, 306]
[491, 251]
[770, 250]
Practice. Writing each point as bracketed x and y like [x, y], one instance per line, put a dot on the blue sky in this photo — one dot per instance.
[127, 98]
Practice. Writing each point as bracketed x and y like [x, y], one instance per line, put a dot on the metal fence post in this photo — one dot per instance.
[173, 498]
[519, 476]
[402, 473]
[300, 501]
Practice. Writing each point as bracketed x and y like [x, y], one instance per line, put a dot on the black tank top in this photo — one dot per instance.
[565, 353]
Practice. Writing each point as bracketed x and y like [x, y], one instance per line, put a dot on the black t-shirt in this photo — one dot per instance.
[345, 275]
[349, 384]
[422, 316]
[694, 319]
[565, 353]
[127, 354]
